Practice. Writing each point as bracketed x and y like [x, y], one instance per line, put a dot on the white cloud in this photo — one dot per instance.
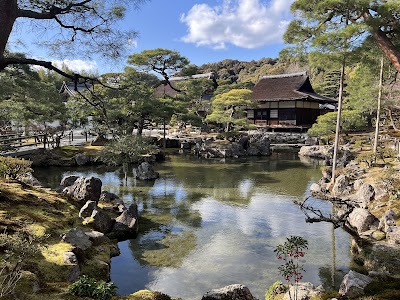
[243, 23]
[77, 65]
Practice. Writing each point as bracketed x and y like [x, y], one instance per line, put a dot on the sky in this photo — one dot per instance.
[204, 31]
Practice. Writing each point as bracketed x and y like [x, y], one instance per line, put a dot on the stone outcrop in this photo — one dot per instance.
[231, 292]
[126, 225]
[361, 219]
[101, 221]
[83, 159]
[112, 201]
[77, 238]
[305, 291]
[87, 209]
[84, 189]
[353, 284]
[145, 171]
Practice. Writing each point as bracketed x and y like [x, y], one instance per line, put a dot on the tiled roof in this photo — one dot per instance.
[295, 86]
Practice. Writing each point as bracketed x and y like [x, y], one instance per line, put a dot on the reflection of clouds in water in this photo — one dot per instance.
[238, 242]
[168, 187]
[245, 187]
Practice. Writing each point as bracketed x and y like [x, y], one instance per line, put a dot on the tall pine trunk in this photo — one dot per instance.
[391, 52]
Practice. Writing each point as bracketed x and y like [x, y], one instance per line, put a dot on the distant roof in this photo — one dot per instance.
[295, 86]
[69, 87]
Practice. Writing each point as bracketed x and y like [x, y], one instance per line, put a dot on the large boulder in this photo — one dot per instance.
[67, 181]
[383, 258]
[112, 200]
[341, 186]
[230, 292]
[305, 291]
[96, 237]
[361, 219]
[320, 152]
[393, 235]
[101, 221]
[83, 159]
[87, 209]
[77, 238]
[365, 194]
[353, 284]
[387, 221]
[85, 189]
[126, 225]
[145, 171]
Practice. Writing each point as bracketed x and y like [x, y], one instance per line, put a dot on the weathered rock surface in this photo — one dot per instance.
[305, 291]
[365, 194]
[341, 186]
[102, 221]
[126, 225]
[383, 258]
[87, 209]
[113, 200]
[387, 222]
[145, 171]
[353, 284]
[320, 152]
[28, 178]
[67, 181]
[96, 237]
[361, 219]
[77, 238]
[230, 292]
[83, 159]
[85, 189]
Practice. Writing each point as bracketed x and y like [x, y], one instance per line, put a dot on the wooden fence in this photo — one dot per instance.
[17, 140]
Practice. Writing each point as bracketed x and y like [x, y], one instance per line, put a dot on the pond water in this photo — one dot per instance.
[205, 224]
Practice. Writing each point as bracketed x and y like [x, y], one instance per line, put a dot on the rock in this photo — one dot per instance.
[69, 258]
[96, 237]
[364, 195]
[126, 225]
[74, 274]
[361, 219]
[99, 141]
[387, 221]
[230, 292]
[101, 221]
[244, 141]
[305, 291]
[67, 181]
[315, 189]
[114, 250]
[77, 238]
[28, 178]
[253, 151]
[393, 236]
[353, 284]
[145, 171]
[383, 258]
[357, 184]
[378, 235]
[85, 189]
[111, 198]
[87, 209]
[320, 152]
[82, 159]
[341, 185]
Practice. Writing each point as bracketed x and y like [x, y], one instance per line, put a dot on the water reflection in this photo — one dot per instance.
[208, 223]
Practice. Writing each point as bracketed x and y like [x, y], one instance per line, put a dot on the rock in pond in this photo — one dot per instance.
[230, 292]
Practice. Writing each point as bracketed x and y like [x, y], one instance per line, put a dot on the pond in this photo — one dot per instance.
[205, 224]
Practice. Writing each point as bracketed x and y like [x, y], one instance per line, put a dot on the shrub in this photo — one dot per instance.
[127, 149]
[89, 287]
[290, 253]
[12, 167]
[15, 248]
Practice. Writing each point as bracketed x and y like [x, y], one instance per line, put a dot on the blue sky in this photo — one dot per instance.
[202, 30]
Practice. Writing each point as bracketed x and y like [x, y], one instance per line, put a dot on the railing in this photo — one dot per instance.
[15, 140]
